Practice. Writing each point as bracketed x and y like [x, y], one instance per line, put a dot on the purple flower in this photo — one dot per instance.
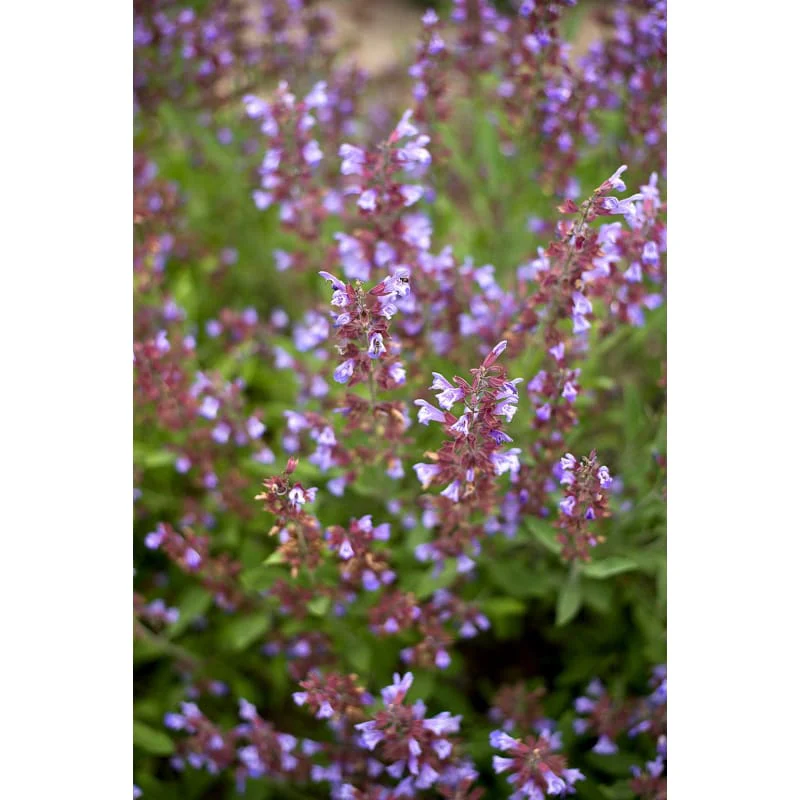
[391, 626]
[376, 346]
[501, 764]
[634, 273]
[505, 462]
[595, 688]
[411, 194]
[395, 469]
[265, 456]
[209, 407]
[604, 746]
[653, 301]
[580, 324]
[583, 705]
[616, 183]
[398, 283]
[449, 394]
[604, 476]
[247, 710]
[462, 424]
[442, 747]
[570, 392]
[398, 689]
[572, 775]
[580, 305]
[192, 558]
[499, 348]
[344, 371]
[396, 769]
[554, 784]
[346, 550]
[500, 740]
[221, 433]
[625, 207]
[442, 659]
[557, 351]
[370, 581]
[368, 200]
[283, 260]
[536, 383]
[162, 342]
[174, 722]
[650, 253]
[312, 154]
[183, 464]
[567, 505]
[426, 473]
[580, 726]
[334, 281]
[255, 428]
[427, 777]
[443, 724]
[153, 539]
[263, 200]
[507, 408]
[451, 491]
[353, 159]
[404, 127]
[427, 412]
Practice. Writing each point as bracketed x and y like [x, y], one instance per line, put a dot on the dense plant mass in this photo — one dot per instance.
[399, 378]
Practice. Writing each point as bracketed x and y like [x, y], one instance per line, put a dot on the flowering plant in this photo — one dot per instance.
[399, 406]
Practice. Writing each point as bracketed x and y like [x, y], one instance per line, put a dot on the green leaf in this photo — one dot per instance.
[319, 605]
[503, 607]
[569, 599]
[152, 741]
[158, 458]
[359, 654]
[259, 578]
[430, 582]
[194, 602]
[607, 567]
[544, 533]
[241, 633]
[514, 576]
[506, 615]
[274, 558]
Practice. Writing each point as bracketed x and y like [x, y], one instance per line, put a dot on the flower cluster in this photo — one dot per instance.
[190, 551]
[472, 457]
[516, 706]
[362, 327]
[332, 696]
[602, 716]
[156, 613]
[419, 750]
[361, 565]
[298, 531]
[534, 769]
[293, 154]
[586, 484]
